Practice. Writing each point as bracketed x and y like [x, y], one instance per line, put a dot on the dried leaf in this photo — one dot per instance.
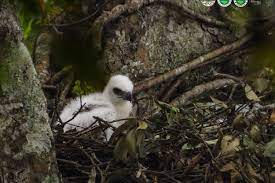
[255, 133]
[230, 168]
[272, 117]
[229, 145]
[238, 122]
[250, 94]
[255, 177]
[138, 173]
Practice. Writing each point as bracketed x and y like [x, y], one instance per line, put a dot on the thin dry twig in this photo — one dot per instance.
[60, 74]
[185, 98]
[81, 20]
[65, 90]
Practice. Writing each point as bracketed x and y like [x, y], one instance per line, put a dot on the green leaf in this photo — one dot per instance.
[248, 143]
[131, 142]
[28, 28]
[120, 150]
[270, 150]
[126, 146]
[261, 84]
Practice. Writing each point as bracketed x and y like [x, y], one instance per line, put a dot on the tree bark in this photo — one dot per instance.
[26, 140]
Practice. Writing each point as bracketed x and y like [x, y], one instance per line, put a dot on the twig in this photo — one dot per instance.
[202, 60]
[163, 174]
[91, 158]
[60, 74]
[239, 80]
[179, 80]
[49, 87]
[76, 165]
[72, 118]
[195, 160]
[81, 20]
[65, 90]
[185, 98]
[232, 92]
[172, 89]
[192, 13]
[104, 122]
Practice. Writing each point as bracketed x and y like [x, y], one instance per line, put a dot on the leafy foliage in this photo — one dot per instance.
[82, 88]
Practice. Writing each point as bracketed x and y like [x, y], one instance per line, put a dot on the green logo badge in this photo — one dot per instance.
[240, 3]
[224, 3]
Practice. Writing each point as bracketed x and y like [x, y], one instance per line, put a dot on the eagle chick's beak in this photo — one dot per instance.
[128, 96]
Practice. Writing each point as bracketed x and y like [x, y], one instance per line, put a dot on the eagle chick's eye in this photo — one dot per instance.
[117, 91]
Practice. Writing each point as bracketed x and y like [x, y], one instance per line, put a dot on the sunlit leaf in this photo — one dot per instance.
[142, 125]
[255, 133]
[229, 145]
[250, 94]
[272, 117]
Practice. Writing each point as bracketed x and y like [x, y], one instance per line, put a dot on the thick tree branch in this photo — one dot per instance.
[198, 62]
[41, 56]
[9, 27]
[26, 139]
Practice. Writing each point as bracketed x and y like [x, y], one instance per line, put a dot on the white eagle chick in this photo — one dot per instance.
[113, 104]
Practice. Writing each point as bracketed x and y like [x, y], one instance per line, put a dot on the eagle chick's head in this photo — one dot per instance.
[119, 89]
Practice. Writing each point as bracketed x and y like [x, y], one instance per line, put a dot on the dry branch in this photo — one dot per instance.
[41, 56]
[185, 98]
[65, 90]
[58, 76]
[200, 61]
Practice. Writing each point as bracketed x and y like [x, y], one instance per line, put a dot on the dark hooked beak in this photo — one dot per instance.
[127, 96]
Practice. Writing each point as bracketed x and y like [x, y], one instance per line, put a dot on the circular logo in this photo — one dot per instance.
[224, 3]
[208, 2]
[240, 3]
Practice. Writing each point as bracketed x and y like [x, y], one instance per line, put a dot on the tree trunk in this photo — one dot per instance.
[26, 141]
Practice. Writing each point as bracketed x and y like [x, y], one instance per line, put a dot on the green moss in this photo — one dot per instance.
[30, 120]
